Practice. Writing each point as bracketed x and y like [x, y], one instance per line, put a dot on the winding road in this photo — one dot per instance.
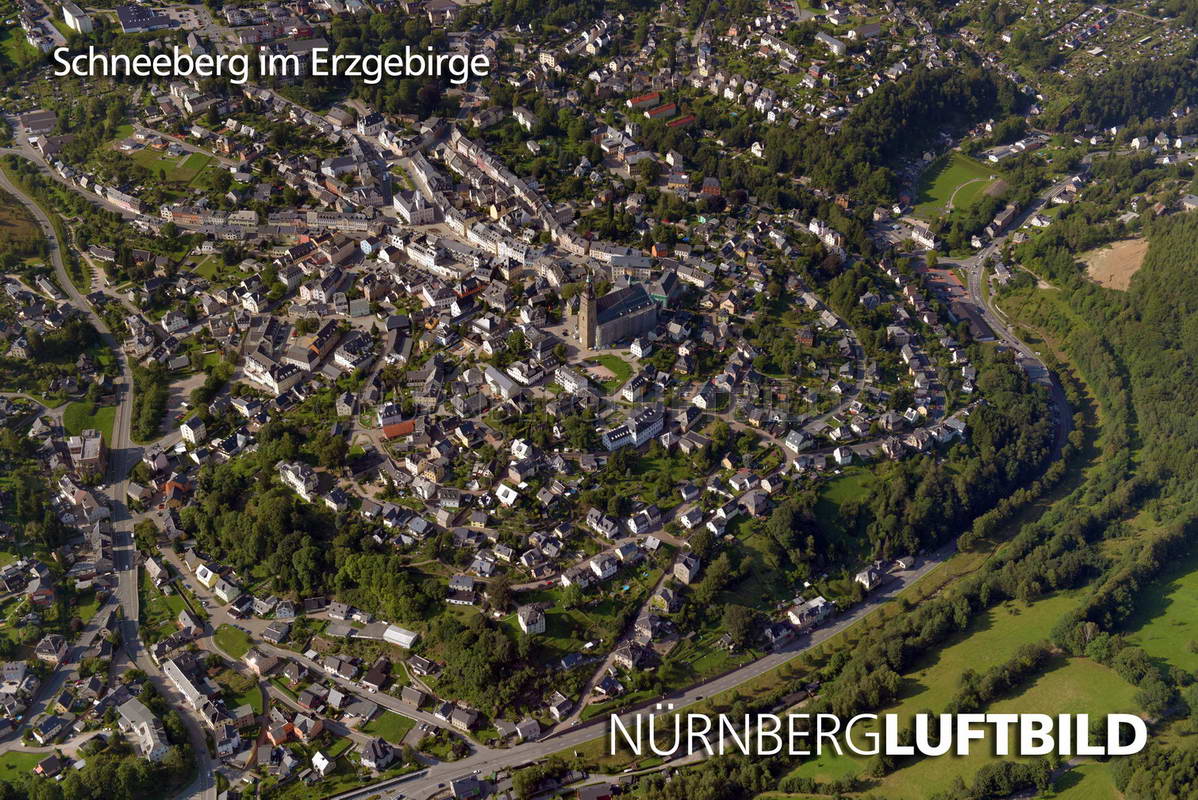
[122, 457]
[124, 454]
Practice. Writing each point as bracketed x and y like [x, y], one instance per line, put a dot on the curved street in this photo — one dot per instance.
[123, 455]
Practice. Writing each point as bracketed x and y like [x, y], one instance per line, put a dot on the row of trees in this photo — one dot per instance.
[151, 389]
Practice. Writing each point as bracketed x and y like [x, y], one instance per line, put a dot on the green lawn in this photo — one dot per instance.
[1088, 781]
[79, 416]
[88, 605]
[233, 641]
[957, 179]
[214, 268]
[14, 44]
[991, 640]
[282, 686]
[252, 698]
[208, 267]
[182, 170]
[856, 482]
[389, 725]
[1165, 621]
[763, 587]
[621, 370]
[14, 766]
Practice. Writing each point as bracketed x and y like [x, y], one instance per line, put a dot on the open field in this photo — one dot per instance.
[233, 641]
[182, 170]
[391, 726]
[1113, 265]
[80, 277]
[18, 229]
[1165, 621]
[79, 416]
[855, 482]
[1088, 781]
[955, 181]
[991, 640]
[1068, 686]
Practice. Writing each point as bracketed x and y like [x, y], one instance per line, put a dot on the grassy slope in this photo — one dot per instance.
[1166, 618]
[992, 639]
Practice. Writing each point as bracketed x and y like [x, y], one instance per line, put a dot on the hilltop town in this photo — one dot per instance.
[385, 440]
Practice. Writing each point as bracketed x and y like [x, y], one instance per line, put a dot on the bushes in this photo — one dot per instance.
[977, 691]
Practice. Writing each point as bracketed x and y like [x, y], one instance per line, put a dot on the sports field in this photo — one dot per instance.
[953, 181]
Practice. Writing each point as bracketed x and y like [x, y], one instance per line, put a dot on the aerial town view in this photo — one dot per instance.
[409, 399]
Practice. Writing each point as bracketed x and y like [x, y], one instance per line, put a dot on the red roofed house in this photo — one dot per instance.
[398, 429]
[645, 100]
[664, 111]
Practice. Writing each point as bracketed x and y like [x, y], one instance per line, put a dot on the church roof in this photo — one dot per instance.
[622, 302]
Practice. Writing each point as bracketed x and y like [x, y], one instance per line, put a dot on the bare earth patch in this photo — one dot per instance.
[1113, 265]
[600, 373]
[996, 189]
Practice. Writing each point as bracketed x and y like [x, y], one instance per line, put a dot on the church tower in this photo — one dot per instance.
[587, 313]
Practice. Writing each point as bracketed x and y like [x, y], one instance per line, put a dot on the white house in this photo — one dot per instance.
[506, 494]
[531, 619]
[193, 430]
[604, 566]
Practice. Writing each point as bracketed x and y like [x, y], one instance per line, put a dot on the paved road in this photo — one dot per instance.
[488, 761]
[53, 685]
[975, 271]
[123, 455]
